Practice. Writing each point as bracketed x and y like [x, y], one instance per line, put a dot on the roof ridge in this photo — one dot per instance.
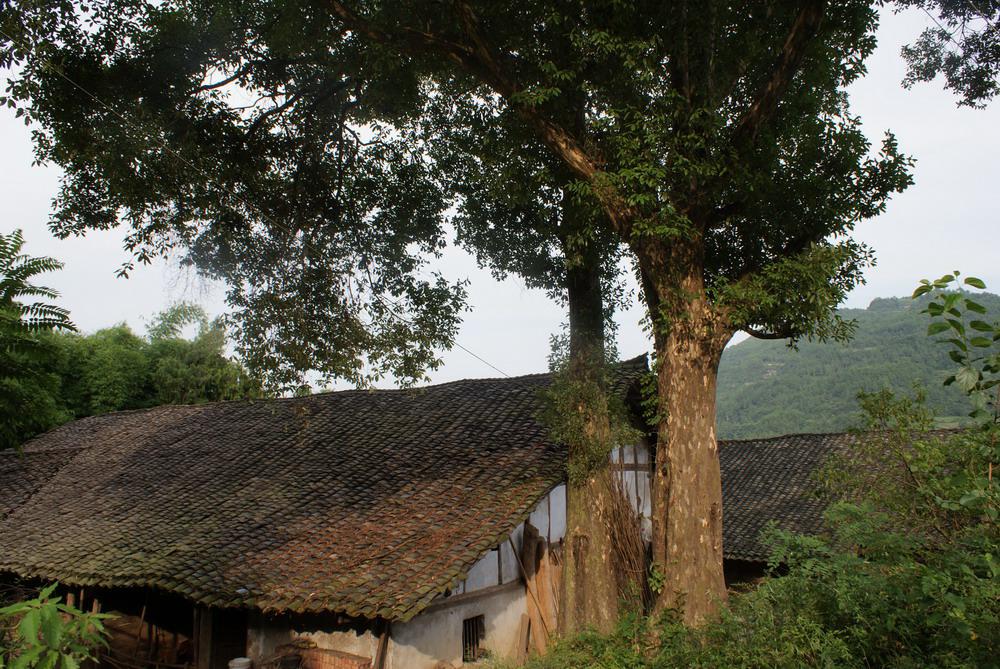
[787, 436]
[637, 361]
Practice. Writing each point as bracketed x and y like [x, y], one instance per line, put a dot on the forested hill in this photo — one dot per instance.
[767, 389]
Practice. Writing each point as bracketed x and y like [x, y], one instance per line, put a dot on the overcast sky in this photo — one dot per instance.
[947, 220]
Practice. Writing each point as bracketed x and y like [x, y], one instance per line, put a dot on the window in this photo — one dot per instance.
[473, 633]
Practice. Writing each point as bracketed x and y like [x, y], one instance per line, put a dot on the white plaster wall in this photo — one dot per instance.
[509, 567]
[557, 514]
[364, 644]
[437, 635]
[540, 516]
[266, 634]
[636, 483]
[485, 573]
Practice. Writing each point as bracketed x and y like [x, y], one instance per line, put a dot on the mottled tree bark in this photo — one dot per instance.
[687, 487]
[590, 592]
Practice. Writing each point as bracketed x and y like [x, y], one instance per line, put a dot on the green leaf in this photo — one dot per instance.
[28, 628]
[921, 290]
[967, 378]
[52, 625]
[49, 660]
[972, 305]
[27, 659]
[981, 326]
[956, 326]
[974, 282]
[936, 328]
[981, 342]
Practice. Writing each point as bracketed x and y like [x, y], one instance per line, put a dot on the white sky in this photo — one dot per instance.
[947, 220]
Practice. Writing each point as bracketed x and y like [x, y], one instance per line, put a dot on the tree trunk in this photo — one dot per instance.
[687, 487]
[589, 592]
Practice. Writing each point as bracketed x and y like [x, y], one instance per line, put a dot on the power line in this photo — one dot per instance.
[47, 63]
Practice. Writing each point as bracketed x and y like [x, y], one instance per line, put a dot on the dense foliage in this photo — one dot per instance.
[115, 369]
[767, 388]
[25, 400]
[45, 633]
[963, 45]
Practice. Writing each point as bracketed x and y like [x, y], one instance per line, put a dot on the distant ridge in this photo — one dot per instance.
[767, 389]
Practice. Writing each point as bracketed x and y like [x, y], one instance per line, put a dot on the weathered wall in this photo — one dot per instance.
[633, 465]
[436, 635]
[433, 636]
[265, 634]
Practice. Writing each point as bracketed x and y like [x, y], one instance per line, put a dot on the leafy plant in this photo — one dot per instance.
[24, 316]
[975, 342]
[46, 633]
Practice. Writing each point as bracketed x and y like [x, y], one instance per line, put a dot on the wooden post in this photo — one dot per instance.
[138, 633]
[203, 635]
[383, 647]
[523, 639]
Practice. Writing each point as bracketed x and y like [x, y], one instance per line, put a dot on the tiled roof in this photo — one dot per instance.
[20, 477]
[771, 479]
[365, 502]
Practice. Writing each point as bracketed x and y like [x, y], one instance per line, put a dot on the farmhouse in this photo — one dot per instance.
[394, 528]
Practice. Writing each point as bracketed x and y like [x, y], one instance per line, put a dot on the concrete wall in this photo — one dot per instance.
[436, 634]
[266, 634]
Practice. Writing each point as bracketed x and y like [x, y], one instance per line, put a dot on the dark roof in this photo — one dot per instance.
[365, 502]
[20, 477]
[766, 480]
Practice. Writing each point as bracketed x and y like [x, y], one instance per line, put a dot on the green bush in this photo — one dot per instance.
[44, 633]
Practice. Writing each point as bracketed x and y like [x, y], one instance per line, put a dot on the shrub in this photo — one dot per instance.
[45, 633]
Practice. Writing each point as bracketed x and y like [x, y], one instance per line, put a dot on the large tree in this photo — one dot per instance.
[716, 142]
[712, 141]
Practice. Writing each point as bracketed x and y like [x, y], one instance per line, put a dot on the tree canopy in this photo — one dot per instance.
[963, 45]
[249, 139]
[308, 154]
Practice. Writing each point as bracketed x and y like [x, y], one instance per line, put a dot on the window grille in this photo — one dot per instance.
[473, 633]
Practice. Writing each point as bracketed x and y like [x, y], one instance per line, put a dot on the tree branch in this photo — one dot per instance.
[480, 60]
[784, 333]
[803, 29]
[225, 82]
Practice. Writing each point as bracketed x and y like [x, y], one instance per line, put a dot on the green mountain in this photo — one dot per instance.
[767, 389]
